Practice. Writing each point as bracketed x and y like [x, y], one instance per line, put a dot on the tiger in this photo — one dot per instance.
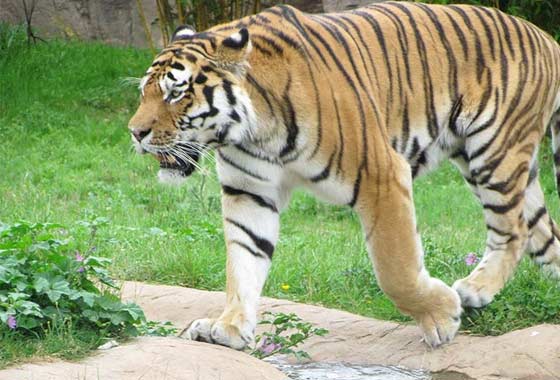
[352, 107]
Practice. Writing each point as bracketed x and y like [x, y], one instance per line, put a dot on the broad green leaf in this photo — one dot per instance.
[91, 315]
[40, 284]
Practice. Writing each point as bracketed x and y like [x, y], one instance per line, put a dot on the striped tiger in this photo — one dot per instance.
[352, 106]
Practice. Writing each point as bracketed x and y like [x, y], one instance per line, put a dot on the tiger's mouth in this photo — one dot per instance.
[183, 165]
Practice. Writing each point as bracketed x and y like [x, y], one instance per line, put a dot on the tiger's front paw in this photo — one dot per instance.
[218, 332]
[441, 317]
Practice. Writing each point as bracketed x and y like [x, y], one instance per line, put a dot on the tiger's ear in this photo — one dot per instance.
[183, 32]
[233, 51]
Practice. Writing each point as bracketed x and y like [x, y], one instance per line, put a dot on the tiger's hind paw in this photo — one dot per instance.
[473, 295]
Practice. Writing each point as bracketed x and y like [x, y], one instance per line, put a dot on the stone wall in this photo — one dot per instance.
[117, 21]
[112, 21]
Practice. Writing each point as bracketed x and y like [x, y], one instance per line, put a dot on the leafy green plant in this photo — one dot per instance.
[45, 282]
[287, 331]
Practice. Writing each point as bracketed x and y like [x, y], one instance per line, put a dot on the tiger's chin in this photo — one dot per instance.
[174, 172]
[173, 177]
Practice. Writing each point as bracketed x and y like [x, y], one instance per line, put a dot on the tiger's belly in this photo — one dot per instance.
[323, 181]
[425, 153]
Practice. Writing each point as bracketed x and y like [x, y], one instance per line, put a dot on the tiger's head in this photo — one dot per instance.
[192, 100]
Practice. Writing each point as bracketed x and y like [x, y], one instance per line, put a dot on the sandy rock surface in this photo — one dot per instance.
[153, 359]
[528, 354]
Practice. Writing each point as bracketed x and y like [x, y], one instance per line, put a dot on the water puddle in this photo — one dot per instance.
[341, 371]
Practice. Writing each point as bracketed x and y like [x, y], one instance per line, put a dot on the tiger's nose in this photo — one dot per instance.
[139, 133]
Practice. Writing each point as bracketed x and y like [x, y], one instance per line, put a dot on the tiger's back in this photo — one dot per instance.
[420, 73]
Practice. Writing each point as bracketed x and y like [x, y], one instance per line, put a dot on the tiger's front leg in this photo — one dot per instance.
[387, 214]
[251, 224]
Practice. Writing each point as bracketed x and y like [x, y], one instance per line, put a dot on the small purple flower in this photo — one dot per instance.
[79, 257]
[268, 347]
[80, 270]
[471, 259]
[11, 322]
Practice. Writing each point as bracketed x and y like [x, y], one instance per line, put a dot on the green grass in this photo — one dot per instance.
[64, 342]
[65, 156]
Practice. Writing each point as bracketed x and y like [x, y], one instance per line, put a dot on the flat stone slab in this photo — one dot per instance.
[153, 359]
[528, 354]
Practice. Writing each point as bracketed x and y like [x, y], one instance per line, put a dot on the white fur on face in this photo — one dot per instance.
[144, 81]
[206, 127]
[180, 84]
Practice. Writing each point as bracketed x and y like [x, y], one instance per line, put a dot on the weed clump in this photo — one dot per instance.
[47, 284]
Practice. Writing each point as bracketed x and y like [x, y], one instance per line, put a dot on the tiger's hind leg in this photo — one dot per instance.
[544, 235]
[499, 179]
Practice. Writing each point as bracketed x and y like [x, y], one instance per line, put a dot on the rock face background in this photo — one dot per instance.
[117, 21]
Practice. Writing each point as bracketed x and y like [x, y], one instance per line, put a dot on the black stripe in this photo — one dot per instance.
[503, 59]
[257, 156]
[350, 81]
[356, 191]
[532, 47]
[270, 42]
[340, 135]
[451, 60]
[325, 173]
[229, 92]
[230, 162]
[501, 233]
[480, 63]
[262, 91]
[533, 174]
[402, 37]
[201, 78]
[507, 186]
[288, 14]
[542, 251]
[177, 65]
[340, 38]
[557, 158]
[284, 13]
[414, 150]
[460, 34]
[484, 102]
[263, 244]
[502, 209]
[290, 121]
[249, 249]
[256, 198]
[506, 32]
[381, 40]
[535, 219]
[430, 111]
[521, 43]
[260, 48]
[490, 37]
[405, 127]
[454, 115]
